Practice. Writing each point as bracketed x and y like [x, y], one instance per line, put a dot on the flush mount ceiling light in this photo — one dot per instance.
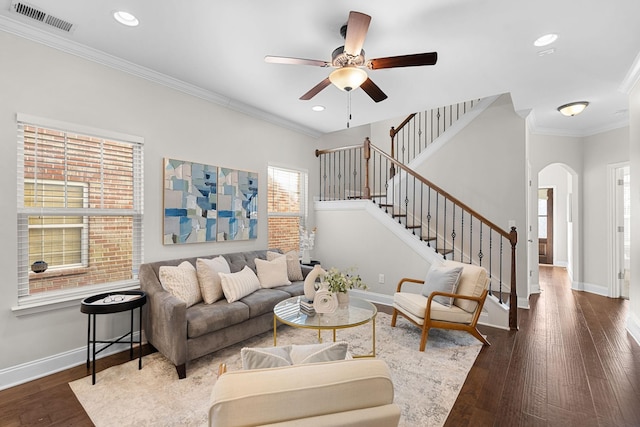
[125, 18]
[318, 108]
[545, 40]
[573, 108]
[348, 78]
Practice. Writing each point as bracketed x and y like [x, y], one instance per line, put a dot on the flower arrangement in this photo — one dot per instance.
[342, 281]
[307, 239]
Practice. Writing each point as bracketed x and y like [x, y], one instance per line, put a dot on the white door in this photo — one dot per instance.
[622, 232]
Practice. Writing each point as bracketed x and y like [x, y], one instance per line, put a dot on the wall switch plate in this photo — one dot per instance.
[380, 278]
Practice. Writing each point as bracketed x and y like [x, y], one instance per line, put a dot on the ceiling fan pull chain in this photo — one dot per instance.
[348, 108]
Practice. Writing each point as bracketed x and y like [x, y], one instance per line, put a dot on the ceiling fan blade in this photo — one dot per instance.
[295, 61]
[373, 90]
[316, 89]
[414, 60]
[357, 28]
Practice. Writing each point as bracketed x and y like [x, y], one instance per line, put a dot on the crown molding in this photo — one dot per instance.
[29, 32]
[534, 128]
[632, 77]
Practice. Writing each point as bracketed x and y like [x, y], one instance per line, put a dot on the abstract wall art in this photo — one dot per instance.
[204, 203]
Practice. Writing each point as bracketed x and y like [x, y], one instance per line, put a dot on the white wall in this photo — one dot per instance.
[44, 82]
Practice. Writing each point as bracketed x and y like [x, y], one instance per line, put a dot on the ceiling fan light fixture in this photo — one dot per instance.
[573, 108]
[348, 78]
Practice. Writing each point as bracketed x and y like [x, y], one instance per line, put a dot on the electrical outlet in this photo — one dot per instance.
[380, 278]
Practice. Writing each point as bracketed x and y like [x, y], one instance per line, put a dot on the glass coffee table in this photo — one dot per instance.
[357, 312]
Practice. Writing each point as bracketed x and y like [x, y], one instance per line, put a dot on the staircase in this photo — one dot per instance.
[443, 223]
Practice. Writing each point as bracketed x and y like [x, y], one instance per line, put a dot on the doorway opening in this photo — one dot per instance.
[545, 225]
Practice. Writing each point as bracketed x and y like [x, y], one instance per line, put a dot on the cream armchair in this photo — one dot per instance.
[353, 393]
[462, 314]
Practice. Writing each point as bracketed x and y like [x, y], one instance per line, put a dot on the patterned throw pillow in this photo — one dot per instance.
[210, 282]
[272, 273]
[294, 271]
[240, 284]
[182, 282]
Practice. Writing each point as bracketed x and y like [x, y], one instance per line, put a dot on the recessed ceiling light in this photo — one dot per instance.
[318, 108]
[545, 40]
[125, 18]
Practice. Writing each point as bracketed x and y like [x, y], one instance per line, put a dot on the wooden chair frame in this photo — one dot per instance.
[442, 324]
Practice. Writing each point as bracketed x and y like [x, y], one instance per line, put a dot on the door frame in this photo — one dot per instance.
[614, 261]
[551, 212]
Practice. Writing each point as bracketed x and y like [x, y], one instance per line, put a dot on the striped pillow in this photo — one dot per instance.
[240, 284]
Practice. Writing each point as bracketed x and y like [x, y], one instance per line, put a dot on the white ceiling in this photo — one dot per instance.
[485, 47]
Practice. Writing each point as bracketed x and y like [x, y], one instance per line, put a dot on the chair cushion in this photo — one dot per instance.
[473, 281]
[415, 306]
[441, 278]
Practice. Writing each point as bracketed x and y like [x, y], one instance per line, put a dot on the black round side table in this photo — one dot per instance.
[107, 303]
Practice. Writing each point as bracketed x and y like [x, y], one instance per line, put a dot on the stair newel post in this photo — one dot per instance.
[367, 155]
[392, 134]
[513, 298]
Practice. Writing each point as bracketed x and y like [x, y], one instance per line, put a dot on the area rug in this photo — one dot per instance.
[426, 383]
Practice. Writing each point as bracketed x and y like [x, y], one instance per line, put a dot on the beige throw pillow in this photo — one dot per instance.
[272, 273]
[182, 282]
[210, 283]
[240, 284]
[294, 270]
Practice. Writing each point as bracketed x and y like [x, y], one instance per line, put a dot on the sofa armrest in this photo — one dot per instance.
[165, 320]
[300, 391]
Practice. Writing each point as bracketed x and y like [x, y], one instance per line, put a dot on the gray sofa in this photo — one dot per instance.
[182, 334]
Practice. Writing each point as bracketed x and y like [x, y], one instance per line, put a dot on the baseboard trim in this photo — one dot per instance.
[633, 327]
[591, 288]
[25, 372]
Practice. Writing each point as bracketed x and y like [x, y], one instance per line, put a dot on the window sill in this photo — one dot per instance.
[58, 273]
[50, 301]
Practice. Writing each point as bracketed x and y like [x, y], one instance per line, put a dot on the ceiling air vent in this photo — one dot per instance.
[39, 15]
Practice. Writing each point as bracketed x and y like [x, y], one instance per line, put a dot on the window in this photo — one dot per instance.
[79, 209]
[286, 207]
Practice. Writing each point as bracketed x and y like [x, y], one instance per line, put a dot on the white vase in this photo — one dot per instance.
[325, 301]
[310, 281]
[306, 258]
[343, 298]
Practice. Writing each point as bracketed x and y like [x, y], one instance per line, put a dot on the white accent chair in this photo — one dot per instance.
[463, 314]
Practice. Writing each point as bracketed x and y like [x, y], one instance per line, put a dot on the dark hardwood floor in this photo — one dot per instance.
[572, 363]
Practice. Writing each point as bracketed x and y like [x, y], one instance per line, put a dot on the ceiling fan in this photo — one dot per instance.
[349, 59]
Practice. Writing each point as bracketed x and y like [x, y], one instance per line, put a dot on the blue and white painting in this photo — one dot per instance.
[204, 203]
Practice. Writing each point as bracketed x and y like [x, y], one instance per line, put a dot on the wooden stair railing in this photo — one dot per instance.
[449, 226]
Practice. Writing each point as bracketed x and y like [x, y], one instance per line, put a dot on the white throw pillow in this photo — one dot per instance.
[294, 270]
[268, 357]
[210, 283]
[442, 279]
[182, 282]
[314, 353]
[272, 273]
[240, 284]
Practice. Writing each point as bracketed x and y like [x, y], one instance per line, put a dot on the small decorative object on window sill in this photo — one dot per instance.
[340, 282]
[307, 241]
[39, 267]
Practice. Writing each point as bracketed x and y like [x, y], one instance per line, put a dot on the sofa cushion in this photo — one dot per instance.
[237, 261]
[240, 284]
[295, 289]
[441, 278]
[210, 282]
[294, 269]
[272, 273]
[181, 282]
[263, 300]
[473, 281]
[205, 318]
